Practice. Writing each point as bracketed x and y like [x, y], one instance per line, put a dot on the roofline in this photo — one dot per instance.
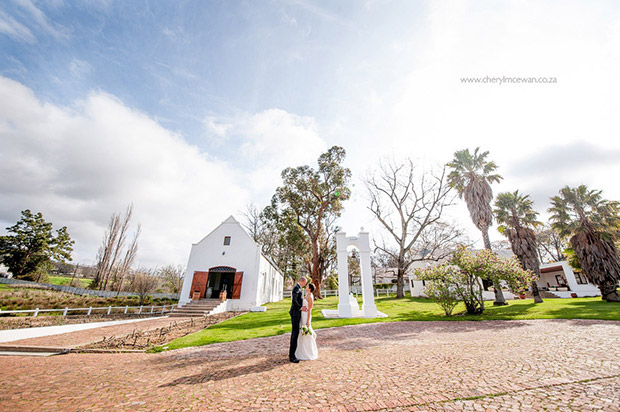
[225, 222]
[272, 263]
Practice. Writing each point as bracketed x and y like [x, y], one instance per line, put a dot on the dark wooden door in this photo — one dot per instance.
[236, 293]
[199, 282]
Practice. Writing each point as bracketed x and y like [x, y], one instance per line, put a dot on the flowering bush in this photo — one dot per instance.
[442, 285]
[461, 278]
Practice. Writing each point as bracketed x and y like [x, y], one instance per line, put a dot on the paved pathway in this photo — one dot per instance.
[69, 336]
[405, 366]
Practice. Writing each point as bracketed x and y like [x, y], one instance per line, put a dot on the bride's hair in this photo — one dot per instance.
[311, 286]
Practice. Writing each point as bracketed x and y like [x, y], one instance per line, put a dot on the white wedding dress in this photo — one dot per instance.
[306, 344]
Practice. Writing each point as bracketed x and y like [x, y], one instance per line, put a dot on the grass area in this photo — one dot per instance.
[17, 298]
[276, 320]
[66, 280]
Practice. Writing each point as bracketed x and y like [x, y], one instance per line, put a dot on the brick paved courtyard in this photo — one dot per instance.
[405, 366]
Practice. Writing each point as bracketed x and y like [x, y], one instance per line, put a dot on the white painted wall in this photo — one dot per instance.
[244, 255]
[270, 283]
[417, 290]
[581, 290]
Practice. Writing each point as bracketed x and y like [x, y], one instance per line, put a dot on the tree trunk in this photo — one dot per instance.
[599, 260]
[486, 240]
[316, 272]
[486, 283]
[400, 276]
[500, 300]
[74, 274]
[536, 293]
[609, 291]
[523, 245]
[400, 284]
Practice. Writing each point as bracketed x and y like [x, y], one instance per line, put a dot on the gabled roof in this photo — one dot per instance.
[231, 220]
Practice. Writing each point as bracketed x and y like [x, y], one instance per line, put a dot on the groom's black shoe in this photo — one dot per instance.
[294, 360]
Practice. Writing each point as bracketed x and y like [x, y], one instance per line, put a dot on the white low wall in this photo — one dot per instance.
[580, 293]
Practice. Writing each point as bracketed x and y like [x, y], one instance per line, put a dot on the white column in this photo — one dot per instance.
[344, 305]
[570, 277]
[368, 306]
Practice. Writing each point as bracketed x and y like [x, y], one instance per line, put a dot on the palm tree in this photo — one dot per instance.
[472, 176]
[592, 224]
[517, 218]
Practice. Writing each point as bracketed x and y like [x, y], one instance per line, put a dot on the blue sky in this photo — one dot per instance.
[182, 61]
[190, 109]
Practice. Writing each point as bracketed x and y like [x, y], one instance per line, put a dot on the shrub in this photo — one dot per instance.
[441, 285]
[461, 278]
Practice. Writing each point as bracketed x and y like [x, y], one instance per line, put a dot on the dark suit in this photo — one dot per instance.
[295, 312]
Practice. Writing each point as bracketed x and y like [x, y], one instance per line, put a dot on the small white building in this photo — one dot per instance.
[559, 279]
[229, 260]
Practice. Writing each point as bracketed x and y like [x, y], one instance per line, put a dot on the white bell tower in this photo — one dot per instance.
[347, 304]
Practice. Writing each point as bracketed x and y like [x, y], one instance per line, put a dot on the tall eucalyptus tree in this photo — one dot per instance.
[312, 198]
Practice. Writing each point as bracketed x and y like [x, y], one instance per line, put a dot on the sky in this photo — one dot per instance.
[189, 110]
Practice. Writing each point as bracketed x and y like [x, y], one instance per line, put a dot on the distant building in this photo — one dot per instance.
[229, 260]
[4, 272]
[384, 275]
[557, 278]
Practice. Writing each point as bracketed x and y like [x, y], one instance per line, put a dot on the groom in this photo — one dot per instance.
[295, 312]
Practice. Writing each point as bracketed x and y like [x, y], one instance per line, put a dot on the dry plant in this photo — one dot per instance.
[113, 259]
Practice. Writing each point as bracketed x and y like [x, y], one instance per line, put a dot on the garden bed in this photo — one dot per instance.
[144, 339]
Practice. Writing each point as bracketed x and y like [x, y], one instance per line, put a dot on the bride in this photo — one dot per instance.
[306, 343]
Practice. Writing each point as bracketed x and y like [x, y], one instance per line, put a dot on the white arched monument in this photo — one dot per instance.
[347, 304]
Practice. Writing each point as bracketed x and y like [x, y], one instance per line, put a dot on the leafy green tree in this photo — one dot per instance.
[279, 237]
[31, 245]
[471, 176]
[592, 224]
[517, 218]
[332, 281]
[310, 198]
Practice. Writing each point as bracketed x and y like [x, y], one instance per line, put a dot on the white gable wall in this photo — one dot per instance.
[245, 256]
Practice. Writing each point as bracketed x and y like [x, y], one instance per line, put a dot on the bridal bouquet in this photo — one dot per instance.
[306, 330]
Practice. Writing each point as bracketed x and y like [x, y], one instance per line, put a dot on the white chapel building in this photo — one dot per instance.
[229, 260]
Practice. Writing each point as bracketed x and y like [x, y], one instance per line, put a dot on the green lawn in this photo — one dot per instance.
[66, 280]
[276, 320]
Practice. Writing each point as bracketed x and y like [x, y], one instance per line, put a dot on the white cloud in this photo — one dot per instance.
[15, 29]
[78, 166]
[270, 141]
[216, 127]
[78, 67]
[428, 113]
[41, 20]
